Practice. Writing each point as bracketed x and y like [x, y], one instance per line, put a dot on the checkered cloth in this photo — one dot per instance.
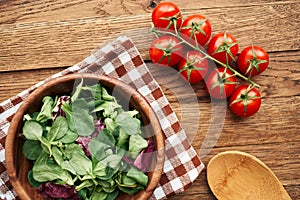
[121, 59]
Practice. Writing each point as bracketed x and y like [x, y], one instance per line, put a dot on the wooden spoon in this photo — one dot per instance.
[236, 175]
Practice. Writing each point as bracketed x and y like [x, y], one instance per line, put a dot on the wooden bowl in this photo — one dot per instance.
[18, 166]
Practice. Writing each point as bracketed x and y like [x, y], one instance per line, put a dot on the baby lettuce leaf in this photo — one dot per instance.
[32, 149]
[110, 124]
[106, 137]
[77, 91]
[136, 144]
[46, 110]
[108, 108]
[83, 121]
[31, 180]
[57, 155]
[76, 158]
[32, 130]
[123, 140]
[46, 169]
[79, 119]
[113, 195]
[97, 149]
[128, 185]
[100, 169]
[107, 96]
[128, 124]
[85, 184]
[67, 108]
[138, 176]
[58, 129]
[125, 181]
[108, 167]
[69, 137]
[99, 195]
[108, 186]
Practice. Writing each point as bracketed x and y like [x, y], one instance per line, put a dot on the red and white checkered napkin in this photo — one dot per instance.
[121, 59]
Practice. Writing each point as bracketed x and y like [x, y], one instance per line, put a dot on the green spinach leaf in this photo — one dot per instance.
[97, 149]
[69, 137]
[46, 110]
[108, 107]
[123, 142]
[58, 129]
[31, 180]
[46, 169]
[32, 130]
[106, 137]
[128, 124]
[77, 91]
[77, 159]
[138, 176]
[136, 144]
[107, 96]
[32, 149]
[112, 195]
[98, 195]
[83, 122]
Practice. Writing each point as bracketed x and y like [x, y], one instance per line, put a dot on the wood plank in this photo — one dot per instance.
[47, 44]
[45, 10]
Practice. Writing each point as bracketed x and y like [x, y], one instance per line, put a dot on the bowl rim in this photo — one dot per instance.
[13, 128]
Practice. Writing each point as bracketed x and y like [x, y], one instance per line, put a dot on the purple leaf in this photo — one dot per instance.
[57, 111]
[99, 126]
[143, 160]
[84, 143]
[53, 190]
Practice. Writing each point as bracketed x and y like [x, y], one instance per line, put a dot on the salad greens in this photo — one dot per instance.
[86, 146]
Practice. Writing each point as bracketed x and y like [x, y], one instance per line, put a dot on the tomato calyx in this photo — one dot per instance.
[222, 81]
[225, 47]
[196, 27]
[190, 66]
[167, 51]
[172, 20]
[244, 98]
[254, 63]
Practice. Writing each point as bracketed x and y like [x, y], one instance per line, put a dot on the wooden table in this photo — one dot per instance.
[39, 38]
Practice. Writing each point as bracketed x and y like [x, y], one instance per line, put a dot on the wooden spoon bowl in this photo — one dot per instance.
[235, 175]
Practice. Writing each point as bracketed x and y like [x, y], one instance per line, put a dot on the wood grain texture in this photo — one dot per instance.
[50, 42]
[238, 175]
[40, 38]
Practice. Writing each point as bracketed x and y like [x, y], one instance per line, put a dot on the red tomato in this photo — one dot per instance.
[166, 50]
[198, 28]
[253, 60]
[194, 67]
[245, 101]
[165, 15]
[220, 83]
[223, 47]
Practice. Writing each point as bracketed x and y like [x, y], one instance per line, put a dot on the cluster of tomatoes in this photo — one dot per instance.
[181, 47]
